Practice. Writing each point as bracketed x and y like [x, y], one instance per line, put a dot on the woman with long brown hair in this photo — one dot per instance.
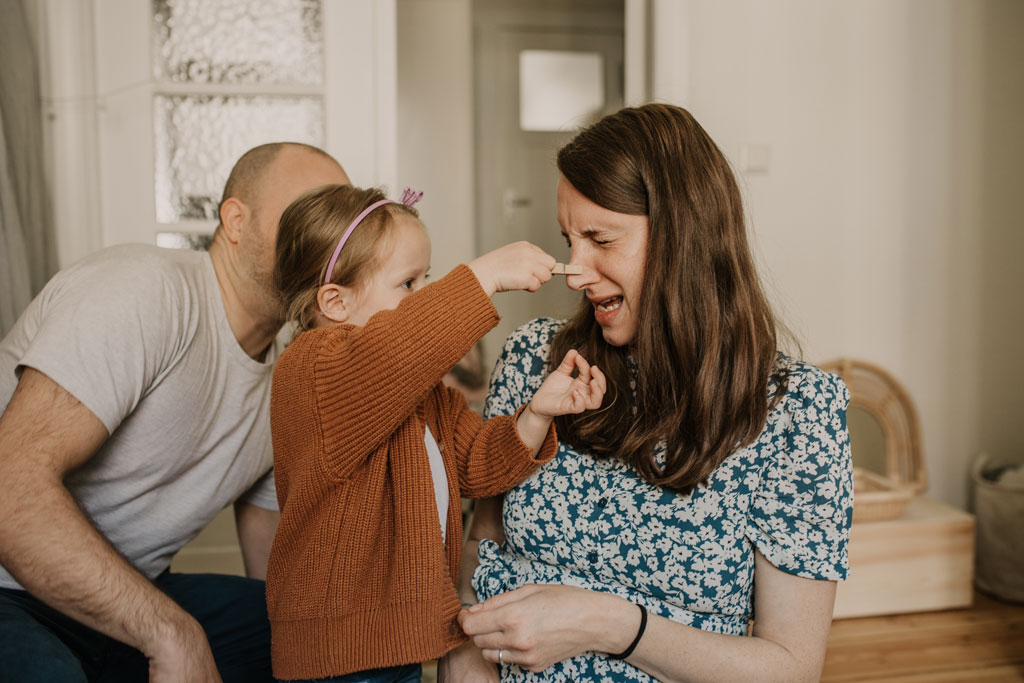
[716, 462]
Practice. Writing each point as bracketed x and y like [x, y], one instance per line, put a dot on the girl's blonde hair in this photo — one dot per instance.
[308, 234]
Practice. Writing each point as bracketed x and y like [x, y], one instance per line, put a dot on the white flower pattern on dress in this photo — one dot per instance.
[585, 521]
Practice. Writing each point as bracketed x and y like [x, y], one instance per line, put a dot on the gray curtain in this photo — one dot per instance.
[15, 287]
[27, 251]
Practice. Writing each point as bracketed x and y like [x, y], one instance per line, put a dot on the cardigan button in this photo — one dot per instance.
[601, 503]
[592, 556]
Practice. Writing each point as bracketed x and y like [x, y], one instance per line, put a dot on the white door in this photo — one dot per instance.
[540, 76]
[149, 102]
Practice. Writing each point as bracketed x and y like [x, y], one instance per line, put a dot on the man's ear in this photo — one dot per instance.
[336, 303]
[233, 214]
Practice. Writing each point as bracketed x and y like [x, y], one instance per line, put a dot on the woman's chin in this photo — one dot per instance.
[616, 336]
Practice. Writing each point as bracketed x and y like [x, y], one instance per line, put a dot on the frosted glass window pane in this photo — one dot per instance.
[199, 138]
[238, 41]
[559, 90]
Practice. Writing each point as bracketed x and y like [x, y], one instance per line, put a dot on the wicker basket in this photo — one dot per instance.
[876, 497]
[880, 495]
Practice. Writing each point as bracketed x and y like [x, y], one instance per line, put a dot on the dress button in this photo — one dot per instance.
[592, 556]
[601, 503]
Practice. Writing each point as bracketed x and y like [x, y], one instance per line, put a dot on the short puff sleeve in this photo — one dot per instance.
[801, 512]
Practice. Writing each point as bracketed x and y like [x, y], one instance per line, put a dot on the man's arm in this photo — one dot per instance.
[49, 546]
[256, 527]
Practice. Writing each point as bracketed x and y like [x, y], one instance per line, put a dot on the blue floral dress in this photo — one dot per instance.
[592, 522]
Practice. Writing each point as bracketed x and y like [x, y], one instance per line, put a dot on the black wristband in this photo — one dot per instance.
[636, 641]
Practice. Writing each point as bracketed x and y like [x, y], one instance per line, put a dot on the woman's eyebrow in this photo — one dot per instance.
[588, 231]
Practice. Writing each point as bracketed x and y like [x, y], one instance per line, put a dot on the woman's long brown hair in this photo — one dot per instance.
[705, 342]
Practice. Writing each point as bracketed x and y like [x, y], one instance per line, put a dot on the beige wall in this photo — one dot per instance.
[887, 222]
[435, 122]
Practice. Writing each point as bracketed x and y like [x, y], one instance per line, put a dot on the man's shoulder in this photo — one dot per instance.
[144, 261]
[152, 295]
[152, 274]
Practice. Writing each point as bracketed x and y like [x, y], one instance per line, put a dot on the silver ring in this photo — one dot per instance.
[501, 653]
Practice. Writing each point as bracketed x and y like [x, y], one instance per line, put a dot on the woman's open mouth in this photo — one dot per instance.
[608, 305]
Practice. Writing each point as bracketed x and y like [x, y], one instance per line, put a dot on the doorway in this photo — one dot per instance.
[543, 69]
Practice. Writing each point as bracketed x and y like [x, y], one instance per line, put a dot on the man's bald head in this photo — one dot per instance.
[260, 187]
[249, 172]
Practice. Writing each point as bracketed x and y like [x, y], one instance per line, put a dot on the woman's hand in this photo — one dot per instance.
[466, 664]
[537, 626]
[563, 394]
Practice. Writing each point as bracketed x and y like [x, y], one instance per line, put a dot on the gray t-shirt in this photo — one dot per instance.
[139, 335]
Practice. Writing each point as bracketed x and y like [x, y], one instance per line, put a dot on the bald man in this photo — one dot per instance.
[135, 392]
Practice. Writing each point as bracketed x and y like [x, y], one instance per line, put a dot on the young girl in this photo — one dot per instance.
[371, 451]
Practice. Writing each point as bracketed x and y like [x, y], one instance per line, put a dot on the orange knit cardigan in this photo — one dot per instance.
[359, 577]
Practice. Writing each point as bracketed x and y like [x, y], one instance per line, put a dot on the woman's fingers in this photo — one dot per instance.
[491, 641]
[597, 388]
[506, 598]
[568, 362]
[502, 655]
[590, 392]
[602, 380]
[579, 401]
[573, 395]
[584, 368]
[488, 618]
[480, 623]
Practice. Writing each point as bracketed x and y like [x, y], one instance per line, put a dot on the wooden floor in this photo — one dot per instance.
[984, 643]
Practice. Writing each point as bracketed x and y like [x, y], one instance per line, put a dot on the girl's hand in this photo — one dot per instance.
[519, 265]
[563, 394]
[537, 626]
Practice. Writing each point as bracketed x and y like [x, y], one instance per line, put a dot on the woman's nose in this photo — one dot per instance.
[584, 279]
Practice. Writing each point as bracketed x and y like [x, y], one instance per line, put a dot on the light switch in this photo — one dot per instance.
[755, 158]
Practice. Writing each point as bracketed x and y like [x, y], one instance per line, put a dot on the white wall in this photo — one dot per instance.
[435, 122]
[886, 224]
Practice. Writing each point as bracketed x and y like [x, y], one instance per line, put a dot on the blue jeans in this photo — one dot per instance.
[409, 673]
[39, 644]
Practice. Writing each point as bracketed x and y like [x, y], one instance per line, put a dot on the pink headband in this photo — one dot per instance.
[409, 198]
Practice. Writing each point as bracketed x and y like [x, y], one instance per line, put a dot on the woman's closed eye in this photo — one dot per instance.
[594, 237]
